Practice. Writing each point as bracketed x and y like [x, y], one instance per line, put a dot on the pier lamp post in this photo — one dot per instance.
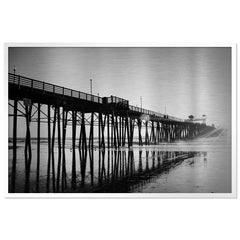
[91, 89]
[141, 102]
[14, 72]
[91, 86]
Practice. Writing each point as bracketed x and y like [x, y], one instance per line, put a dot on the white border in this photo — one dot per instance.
[131, 195]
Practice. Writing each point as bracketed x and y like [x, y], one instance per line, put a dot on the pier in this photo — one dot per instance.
[109, 119]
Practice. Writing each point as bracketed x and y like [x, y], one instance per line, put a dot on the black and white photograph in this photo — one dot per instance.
[123, 119]
[119, 120]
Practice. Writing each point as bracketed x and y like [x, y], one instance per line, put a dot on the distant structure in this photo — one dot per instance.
[202, 120]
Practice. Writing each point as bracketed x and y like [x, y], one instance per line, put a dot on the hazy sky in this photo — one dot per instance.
[186, 80]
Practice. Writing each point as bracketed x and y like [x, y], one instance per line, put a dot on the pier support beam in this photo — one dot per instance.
[64, 130]
[49, 146]
[14, 162]
[53, 142]
[139, 132]
[28, 149]
[59, 148]
[91, 132]
[74, 115]
[146, 134]
[38, 144]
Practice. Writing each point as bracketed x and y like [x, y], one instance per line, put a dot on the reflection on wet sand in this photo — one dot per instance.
[112, 171]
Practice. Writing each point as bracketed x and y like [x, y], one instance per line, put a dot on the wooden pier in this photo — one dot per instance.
[117, 123]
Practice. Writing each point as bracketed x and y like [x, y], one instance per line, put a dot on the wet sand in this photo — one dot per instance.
[148, 169]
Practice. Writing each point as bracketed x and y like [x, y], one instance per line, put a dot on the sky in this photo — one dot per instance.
[183, 80]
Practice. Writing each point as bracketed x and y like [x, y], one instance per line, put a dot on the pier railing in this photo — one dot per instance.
[51, 88]
[157, 114]
[21, 81]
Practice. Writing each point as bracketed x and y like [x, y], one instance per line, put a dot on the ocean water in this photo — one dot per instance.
[202, 165]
